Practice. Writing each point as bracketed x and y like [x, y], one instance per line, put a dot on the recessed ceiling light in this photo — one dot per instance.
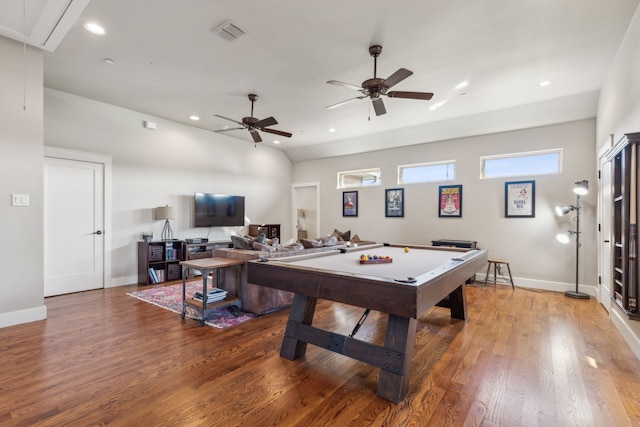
[276, 141]
[462, 85]
[194, 118]
[332, 130]
[544, 83]
[94, 28]
[109, 61]
[437, 105]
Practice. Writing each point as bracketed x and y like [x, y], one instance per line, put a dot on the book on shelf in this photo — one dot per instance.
[213, 295]
[210, 299]
[159, 275]
[153, 277]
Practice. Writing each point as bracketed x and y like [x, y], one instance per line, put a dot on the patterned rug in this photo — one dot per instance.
[170, 297]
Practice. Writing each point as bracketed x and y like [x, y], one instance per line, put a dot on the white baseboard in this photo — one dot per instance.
[122, 281]
[540, 284]
[621, 322]
[23, 316]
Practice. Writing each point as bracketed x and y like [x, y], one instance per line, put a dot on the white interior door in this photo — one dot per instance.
[306, 210]
[605, 254]
[74, 219]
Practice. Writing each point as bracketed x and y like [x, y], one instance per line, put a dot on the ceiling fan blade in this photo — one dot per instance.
[340, 104]
[277, 132]
[227, 118]
[255, 135]
[410, 95]
[225, 130]
[378, 107]
[397, 77]
[269, 121]
[347, 85]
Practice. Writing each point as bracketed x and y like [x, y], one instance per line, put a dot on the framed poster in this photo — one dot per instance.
[394, 202]
[520, 199]
[450, 201]
[349, 203]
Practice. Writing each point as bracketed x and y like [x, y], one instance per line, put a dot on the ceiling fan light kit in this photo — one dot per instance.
[375, 88]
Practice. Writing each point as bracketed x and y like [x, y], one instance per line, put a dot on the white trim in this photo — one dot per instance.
[621, 322]
[558, 151]
[19, 317]
[106, 161]
[545, 285]
[604, 211]
[400, 171]
[377, 172]
[294, 205]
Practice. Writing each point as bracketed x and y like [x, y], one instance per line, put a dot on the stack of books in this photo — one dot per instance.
[213, 295]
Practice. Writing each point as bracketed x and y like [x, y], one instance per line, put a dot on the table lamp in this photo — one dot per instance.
[166, 213]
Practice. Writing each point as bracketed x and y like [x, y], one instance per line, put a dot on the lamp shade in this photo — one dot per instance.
[165, 212]
[581, 188]
[563, 210]
[564, 237]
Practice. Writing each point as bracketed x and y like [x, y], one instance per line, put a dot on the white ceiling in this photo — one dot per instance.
[169, 64]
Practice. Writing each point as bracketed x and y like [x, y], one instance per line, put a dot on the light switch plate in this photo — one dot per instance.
[19, 200]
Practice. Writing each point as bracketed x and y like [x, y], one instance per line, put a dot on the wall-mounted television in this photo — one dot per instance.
[218, 210]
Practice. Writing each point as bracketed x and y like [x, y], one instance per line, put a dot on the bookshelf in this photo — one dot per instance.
[159, 262]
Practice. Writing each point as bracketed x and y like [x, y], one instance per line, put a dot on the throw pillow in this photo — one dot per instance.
[355, 239]
[342, 235]
[241, 243]
[308, 244]
[329, 240]
[262, 247]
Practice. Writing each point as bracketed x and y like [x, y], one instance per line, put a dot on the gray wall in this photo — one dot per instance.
[21, 254]
[153, 168]
[619, 113]
[537, 259]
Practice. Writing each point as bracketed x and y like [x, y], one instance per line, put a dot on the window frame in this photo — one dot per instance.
[377, 172]
[400, 170]
[521, 155]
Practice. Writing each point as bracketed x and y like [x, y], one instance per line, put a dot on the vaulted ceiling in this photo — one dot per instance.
[482, 60]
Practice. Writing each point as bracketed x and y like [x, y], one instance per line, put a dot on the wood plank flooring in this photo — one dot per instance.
[524, 358]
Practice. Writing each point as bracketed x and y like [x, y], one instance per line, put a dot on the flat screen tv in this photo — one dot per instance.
[218, 210]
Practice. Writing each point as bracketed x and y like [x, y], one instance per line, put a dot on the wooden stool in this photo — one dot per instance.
[496, 263]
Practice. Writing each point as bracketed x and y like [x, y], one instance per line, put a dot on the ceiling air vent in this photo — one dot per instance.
[228, 31]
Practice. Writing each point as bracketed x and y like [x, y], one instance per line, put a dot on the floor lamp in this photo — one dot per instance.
[166, 213]
[581, 188]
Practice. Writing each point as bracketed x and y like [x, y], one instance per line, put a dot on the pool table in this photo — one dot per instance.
[416, 279]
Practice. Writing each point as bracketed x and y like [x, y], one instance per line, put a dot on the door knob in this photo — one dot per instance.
[98, 232]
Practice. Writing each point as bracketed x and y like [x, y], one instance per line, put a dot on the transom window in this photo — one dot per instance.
[359, 178]
[427, 172]
[518, 164]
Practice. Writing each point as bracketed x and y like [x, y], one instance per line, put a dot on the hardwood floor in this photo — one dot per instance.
[524, 358]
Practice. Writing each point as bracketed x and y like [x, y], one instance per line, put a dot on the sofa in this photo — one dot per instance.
[262, 300]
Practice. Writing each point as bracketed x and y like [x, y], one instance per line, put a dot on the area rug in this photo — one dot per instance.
[170, 297]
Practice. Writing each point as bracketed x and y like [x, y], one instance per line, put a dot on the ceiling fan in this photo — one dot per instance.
[254, 125]
[375, 88]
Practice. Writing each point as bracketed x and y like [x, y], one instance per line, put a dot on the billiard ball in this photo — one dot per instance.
[406, 249]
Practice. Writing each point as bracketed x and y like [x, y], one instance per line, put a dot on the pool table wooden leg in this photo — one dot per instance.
[458, 302]
[302, 310]
[400, 337]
